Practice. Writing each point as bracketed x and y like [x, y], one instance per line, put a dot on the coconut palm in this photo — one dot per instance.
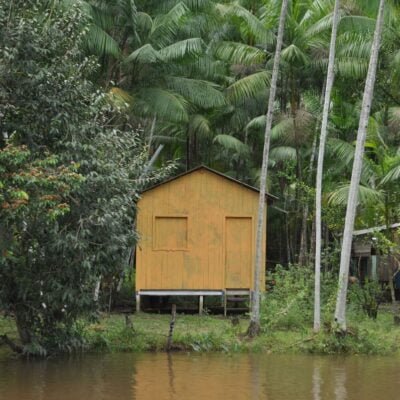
[322, 140]
[340, 311]
[254, 327]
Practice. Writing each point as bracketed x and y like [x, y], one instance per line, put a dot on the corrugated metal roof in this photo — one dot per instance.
[270, 197]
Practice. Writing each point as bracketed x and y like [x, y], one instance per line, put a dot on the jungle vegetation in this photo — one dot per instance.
[91, 90]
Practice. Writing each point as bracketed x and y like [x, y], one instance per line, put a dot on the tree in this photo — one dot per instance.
[322, 140]
[70, 175]
[340, 310]
[254, 327]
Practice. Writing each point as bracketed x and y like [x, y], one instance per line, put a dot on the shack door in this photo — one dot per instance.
[238, 252]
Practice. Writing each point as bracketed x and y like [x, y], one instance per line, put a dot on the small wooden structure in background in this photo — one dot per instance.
[367, 261]
[197, 237]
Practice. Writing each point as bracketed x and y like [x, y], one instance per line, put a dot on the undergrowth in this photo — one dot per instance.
[287, 312]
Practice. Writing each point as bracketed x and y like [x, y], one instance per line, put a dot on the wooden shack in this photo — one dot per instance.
[370, 263]
[197, 237]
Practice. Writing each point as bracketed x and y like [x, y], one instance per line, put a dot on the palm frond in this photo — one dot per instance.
[200, 125]
[254, 26]
[144, 55]
[163, 103]
[206, 67]
[293, 54]
[366, 196]
[239, 53]
[248, 86]
[393, 174]
[354, 46]
[144, 22]
[99, 42]
[196, 5]
[343, 152]
[165, 26]
[357, 24]
[204, 94]
[282, 131]
[231, 143]
[352, 67]
[283, 153]
[257, 122]
[183, 48]
[322, 25]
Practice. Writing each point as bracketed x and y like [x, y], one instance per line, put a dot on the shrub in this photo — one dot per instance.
[289, 304]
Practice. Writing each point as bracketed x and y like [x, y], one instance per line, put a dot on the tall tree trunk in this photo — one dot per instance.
[303, 257]
[318, 196]
[340, 311]
[254, 327]
[23, 325]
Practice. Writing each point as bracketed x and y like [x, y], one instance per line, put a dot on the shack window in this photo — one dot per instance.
[170, 233]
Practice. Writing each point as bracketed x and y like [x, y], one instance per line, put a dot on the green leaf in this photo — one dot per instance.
[283, 153]
[164, 103]
[232, 143]
[184, 48]
[101, 43]
[144, 55]
[366, 196]
[166, 26]
[252, 24]
[239, 53]
[248, 87]
[200, 125]
[204, 94]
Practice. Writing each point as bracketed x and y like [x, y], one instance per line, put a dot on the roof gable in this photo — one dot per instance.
[270, 197]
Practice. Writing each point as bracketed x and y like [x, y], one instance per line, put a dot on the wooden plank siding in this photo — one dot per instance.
[192, 229]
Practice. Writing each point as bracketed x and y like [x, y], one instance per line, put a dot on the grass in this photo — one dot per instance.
[218, 334]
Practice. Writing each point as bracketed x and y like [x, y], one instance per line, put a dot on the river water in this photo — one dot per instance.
[208, 377]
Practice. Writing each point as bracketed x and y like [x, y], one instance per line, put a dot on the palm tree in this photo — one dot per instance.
[254, 327]
[322, 140]
[340, 311]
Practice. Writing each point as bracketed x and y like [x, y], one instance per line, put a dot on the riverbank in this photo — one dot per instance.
[218, 334]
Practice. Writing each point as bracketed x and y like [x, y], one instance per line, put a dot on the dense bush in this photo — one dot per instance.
[289, 305]
[71, 169]
[367, 297]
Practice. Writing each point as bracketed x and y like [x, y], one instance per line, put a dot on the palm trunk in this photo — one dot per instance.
[318, 196]
[254, 326]
[340, 311]
[303, 257]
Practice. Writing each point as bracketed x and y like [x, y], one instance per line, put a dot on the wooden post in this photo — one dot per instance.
[171, 327]
[225, 304]
[128, 321]
[137, 302]
[201, 302]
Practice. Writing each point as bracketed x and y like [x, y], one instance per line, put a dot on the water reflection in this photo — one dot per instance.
[217, 376]
[340, 384]
[205, 377]
[316, 383]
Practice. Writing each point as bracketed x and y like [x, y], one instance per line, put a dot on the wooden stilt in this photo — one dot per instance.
[201, 303]
[225, 304]
[137, 302]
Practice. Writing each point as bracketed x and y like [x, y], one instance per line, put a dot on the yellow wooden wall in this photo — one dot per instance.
[193, 227]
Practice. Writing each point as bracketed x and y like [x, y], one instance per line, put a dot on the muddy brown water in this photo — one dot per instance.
[208, 377]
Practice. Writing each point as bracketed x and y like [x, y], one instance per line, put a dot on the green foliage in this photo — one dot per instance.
[70, 177]
[367, 296]
[287, 305]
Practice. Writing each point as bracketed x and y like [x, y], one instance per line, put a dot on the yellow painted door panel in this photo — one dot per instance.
[238, 252]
